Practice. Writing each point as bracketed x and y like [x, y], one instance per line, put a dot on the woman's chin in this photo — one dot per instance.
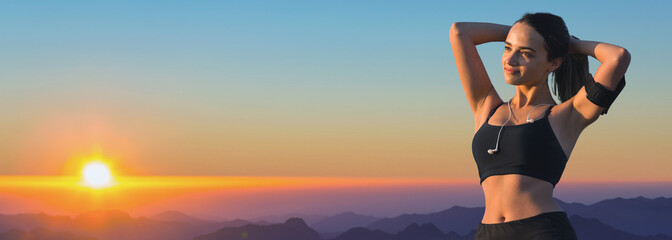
[514, 79]
[511, 80]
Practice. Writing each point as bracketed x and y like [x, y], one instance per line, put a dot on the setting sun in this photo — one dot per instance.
[97, 175]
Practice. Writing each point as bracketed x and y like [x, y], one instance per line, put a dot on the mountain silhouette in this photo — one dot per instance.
[28, 222]
[641, 216]
[457, 219]
[102, 220]
[117, 224]
[425, 232]
[106, 225]
[40, 234]
[361, 233]
[342, 222]
[571, 208]
[310, 219]
[585, 228]
[292, 229]
[636, 219]
[412, 232]
[594, 229]
[175, 216]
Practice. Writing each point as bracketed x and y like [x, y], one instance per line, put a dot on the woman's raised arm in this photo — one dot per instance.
[614, 61]
[464, 36]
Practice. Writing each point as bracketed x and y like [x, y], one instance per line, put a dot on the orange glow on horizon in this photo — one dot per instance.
[68, 194]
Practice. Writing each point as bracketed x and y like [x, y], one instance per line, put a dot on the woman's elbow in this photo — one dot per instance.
[455, 29]
[623, 57]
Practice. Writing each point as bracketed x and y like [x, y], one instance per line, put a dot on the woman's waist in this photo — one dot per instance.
[498, 215]
[510, 198]
[518, 203]
[510, 207]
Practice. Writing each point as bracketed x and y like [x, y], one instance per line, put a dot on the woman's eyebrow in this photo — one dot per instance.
[522, 47]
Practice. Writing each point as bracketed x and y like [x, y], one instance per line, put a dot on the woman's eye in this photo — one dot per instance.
[507, 48]
[527, 54]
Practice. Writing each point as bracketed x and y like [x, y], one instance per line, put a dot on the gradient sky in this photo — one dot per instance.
[308, 88]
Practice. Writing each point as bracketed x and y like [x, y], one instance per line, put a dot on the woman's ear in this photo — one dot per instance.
[555, 64]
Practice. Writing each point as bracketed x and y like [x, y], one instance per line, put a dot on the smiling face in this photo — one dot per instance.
[525, 59]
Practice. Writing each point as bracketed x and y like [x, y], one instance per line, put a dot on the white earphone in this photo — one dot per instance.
[496, 149]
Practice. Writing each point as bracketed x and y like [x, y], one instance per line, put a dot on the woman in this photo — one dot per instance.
[521, 146]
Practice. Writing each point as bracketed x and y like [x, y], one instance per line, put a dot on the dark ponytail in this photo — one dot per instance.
[573, 72]
[570, 76]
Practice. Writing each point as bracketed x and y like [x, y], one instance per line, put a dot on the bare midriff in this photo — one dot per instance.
[512, 197]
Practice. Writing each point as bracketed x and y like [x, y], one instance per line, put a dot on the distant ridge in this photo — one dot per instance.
[102, 220]
[585, 228]
[640, 215]
[100, 224]
[412, 232]
[292, 229]
[40, 234]
[594, 229]
[342, 222]
[308, 218]
[427, 232]
[361, 233]
[616, 218]
[175, 216]
[457, 219]
[27, 222]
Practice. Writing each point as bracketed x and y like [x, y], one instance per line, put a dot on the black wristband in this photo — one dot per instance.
[601, 96]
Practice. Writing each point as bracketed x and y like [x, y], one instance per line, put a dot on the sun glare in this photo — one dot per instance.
[97, 175]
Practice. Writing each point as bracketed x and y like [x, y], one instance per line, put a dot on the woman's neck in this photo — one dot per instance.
[532, 95]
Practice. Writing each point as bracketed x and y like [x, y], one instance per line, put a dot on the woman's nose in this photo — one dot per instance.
[511, 59]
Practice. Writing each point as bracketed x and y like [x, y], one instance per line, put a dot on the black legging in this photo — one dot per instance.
[545, 226]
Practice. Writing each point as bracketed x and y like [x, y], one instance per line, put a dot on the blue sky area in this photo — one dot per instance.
[372, 64]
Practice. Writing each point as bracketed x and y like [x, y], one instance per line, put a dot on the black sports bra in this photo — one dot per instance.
[529, 149]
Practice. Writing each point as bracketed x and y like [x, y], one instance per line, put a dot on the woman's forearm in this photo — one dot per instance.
[603, 52]
[479, 33]
[614, 60]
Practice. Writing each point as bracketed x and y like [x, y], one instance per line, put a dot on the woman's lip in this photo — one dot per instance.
[510, 71]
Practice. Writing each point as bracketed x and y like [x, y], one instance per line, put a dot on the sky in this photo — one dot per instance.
[342, 89]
